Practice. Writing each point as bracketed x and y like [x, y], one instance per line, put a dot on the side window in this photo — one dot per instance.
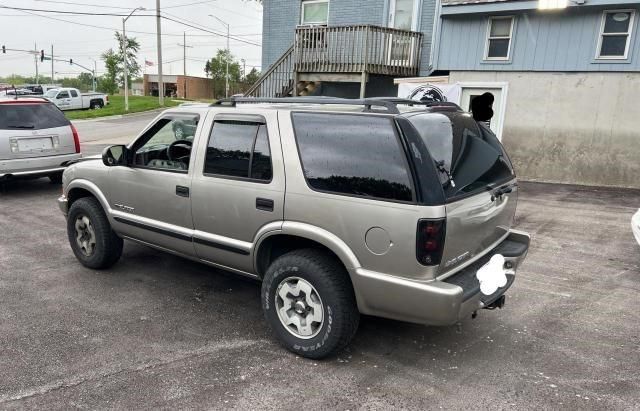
[358, 155]
[63, 94]
[499, 38]
[239, 149]
[74, 93]
[615, 34]
[163, 148]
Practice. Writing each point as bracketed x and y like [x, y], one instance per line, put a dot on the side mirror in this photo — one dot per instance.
[115, 156]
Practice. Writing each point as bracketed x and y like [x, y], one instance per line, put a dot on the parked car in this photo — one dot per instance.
[396, 211]
[635, 226]
[73, 99]
[36, 139]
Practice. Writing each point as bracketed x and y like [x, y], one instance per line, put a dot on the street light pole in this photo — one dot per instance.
[228, 53]
[124, 59]
[159, 46]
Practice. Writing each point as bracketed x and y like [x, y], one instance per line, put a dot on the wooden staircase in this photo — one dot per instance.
[278, 80]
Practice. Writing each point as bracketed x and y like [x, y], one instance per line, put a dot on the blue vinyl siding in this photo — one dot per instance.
[282, 16]
[564, 41]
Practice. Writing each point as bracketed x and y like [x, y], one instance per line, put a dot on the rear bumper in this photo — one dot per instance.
[436, 302]
[635, 226]
[35, 166]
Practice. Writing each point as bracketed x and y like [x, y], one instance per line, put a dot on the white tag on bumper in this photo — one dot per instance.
[492, 275]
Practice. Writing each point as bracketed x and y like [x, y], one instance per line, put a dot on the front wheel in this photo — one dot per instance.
[308, 301]
[92, 240]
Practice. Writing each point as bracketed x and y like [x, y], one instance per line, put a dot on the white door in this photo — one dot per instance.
[76, 100]
[469, 93]
[403, 15]
[63, 100]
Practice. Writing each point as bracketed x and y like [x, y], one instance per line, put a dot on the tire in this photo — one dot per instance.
[55, 178]
[102, 247]
[330, 283]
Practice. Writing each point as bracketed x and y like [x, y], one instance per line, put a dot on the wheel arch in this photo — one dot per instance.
[84, 188]
[294, 236]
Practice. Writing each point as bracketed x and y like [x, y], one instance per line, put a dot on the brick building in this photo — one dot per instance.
[174, 85]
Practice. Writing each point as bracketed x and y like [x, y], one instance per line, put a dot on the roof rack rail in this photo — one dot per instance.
[410, 102]
[368, 103]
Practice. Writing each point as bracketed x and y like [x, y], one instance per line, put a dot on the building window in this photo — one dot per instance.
[499, 36]
[615, 34]
[314, 12]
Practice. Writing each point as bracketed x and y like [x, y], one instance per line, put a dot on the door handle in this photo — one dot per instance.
[264, 204]
[182, 191]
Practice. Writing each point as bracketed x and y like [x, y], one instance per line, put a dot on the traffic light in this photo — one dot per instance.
[4, 49]
[70, 61]
[41, 56]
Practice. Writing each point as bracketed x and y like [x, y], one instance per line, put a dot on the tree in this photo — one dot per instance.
[217, 69]
[114, 63]
[109, 82]
[252, 77]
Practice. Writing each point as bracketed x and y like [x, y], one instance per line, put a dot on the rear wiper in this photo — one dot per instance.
[21, 127]
[441, 168]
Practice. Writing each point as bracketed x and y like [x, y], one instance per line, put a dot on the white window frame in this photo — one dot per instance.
[489, 38]
[314, 23]
[629, 34]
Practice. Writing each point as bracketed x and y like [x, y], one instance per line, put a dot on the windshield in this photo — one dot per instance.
[468, 156]
[51, 93]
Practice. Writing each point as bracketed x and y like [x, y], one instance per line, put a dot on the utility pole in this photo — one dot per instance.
[159, 41]
[52, 72]
[184, 46]
[35, 55]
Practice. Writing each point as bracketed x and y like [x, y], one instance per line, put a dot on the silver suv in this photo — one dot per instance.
[341, 207]
[36, 139]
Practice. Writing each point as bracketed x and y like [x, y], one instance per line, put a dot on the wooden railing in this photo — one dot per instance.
[354, 49]
[277, 81]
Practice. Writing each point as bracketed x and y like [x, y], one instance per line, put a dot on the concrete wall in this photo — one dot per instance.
[542, 41]
[579, 128]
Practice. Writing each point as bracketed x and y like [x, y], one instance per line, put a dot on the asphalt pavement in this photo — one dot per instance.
[158, 331]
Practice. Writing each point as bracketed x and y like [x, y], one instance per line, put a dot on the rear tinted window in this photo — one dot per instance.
[16, 116]
[353, 155]
[470, 153]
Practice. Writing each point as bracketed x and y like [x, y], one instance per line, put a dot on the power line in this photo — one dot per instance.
[83, 4]
[133, 31]
[185, 5]
[212, 32]
[75, 13]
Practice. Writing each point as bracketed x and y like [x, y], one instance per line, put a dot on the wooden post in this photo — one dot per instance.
[294, 93]
[365, 63]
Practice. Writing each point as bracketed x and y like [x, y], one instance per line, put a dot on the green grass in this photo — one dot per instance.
[137, 104]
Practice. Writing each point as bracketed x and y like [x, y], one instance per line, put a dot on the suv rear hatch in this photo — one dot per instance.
[478, 181]
[34, 128]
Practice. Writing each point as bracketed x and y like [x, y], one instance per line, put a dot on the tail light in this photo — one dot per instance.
[76, 138]
[106, 99]
[430, 241]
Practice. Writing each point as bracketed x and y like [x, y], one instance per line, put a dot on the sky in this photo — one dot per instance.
[84, 38]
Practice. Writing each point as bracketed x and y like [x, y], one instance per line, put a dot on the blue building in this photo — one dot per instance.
[566, 77]
[565, 74]
[344, 47]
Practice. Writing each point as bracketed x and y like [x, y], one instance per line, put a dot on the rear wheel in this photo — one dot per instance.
[96, 105]
[92, 240]
[309, 303]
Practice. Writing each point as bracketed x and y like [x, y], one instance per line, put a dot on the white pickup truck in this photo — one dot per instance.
[73, 99]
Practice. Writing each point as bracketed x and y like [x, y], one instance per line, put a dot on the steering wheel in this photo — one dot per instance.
[179, 150]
